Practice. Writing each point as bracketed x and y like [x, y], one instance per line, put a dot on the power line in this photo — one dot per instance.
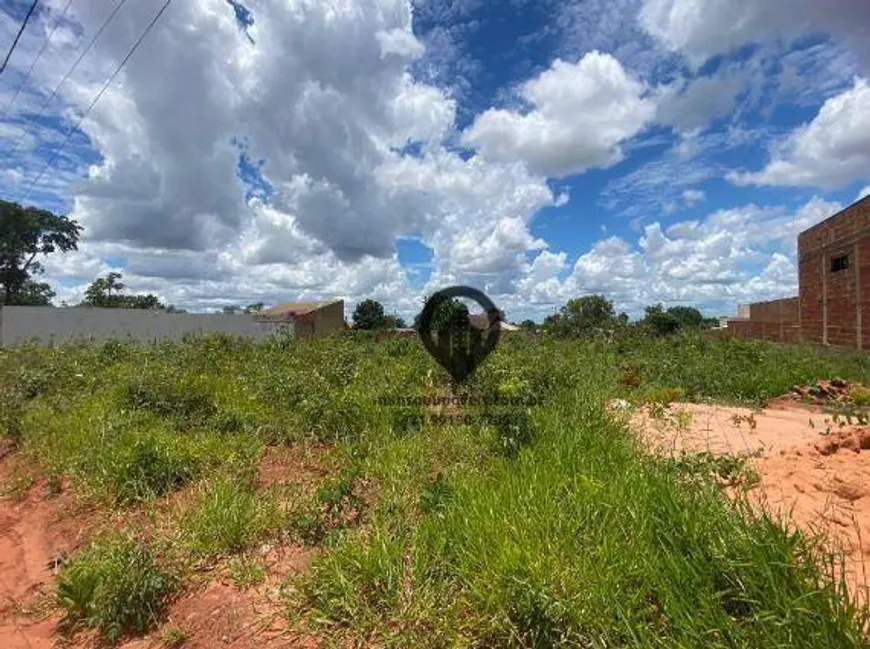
[18, 35]
[35, 60]
[67, 75]
[96, 99]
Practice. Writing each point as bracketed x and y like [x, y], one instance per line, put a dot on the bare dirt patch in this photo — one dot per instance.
[37, 532]
[813, 472]
[217, 613]
[293, 465]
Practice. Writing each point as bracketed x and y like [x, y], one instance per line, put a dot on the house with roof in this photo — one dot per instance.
[309, 319]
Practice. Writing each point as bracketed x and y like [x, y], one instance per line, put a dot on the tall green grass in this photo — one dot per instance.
[582, 541]
[548, 527]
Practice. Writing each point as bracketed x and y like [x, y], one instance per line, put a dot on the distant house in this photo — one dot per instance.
[309, 318]
[481, 321]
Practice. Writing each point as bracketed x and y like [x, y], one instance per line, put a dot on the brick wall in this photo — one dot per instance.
[835, 305]
[785, 311]
[776, 320]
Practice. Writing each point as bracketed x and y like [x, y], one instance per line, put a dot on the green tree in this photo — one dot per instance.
[149, 301]
[687, 316]
[256, 307]
[584, 316]
[35, 294]
[105, 292]
[528, 326]
[369, 314]
[451, 315]
[26, 233]
[664, 322]
[394, 322]
[660, 322]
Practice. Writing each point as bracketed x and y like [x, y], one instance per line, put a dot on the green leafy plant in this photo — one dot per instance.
[116, 586]
[173, 638]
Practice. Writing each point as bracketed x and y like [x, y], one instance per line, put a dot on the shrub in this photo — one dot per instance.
[859, 395]
[115, 586]
[11, 414]
[331, 416]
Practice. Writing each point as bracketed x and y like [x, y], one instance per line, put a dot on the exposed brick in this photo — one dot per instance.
[827, 308]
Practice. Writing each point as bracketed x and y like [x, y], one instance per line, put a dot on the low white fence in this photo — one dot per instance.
[50, 326]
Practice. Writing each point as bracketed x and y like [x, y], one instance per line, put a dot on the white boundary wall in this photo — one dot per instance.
[50, 326]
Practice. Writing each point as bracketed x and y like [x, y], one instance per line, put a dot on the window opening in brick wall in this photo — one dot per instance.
[839, 263]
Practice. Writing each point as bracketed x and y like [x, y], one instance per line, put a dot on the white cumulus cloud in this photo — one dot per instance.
[579, 115]
[831, 151]
[703, 28]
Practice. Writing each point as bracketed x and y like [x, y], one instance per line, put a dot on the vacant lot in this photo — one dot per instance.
[801, 462]
[222, 493]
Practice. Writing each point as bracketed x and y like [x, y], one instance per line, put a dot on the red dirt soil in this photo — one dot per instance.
[35, 532]
[218, 614]
[38, 529]
[814, 473]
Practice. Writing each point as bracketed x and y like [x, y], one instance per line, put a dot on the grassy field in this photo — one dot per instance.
[536, 520]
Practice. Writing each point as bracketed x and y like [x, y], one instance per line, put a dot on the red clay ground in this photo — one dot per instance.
[34, 533]
[813, 471]
[218, 614]
[810, 469]
[37, 529]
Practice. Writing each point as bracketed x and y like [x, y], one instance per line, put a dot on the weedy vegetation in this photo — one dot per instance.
[116, 586]
[519, 525]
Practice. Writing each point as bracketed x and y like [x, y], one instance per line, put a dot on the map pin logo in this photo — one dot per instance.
[458, 342]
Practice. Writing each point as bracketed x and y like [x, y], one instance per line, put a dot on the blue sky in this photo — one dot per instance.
[538, 150]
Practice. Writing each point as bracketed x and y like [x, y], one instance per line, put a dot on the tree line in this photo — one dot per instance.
[582, 317]
[594, 315]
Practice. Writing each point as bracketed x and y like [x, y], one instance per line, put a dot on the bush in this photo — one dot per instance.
[115, 586]
[332, 416]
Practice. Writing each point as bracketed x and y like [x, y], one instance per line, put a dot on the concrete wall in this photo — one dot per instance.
[50, 326]
[835, 306]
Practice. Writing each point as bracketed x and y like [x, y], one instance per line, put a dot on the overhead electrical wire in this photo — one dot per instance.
[18, 35]
[72, 69]
[35, 60]
[96, 99]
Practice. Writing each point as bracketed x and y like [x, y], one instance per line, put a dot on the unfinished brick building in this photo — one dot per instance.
[833, 307]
